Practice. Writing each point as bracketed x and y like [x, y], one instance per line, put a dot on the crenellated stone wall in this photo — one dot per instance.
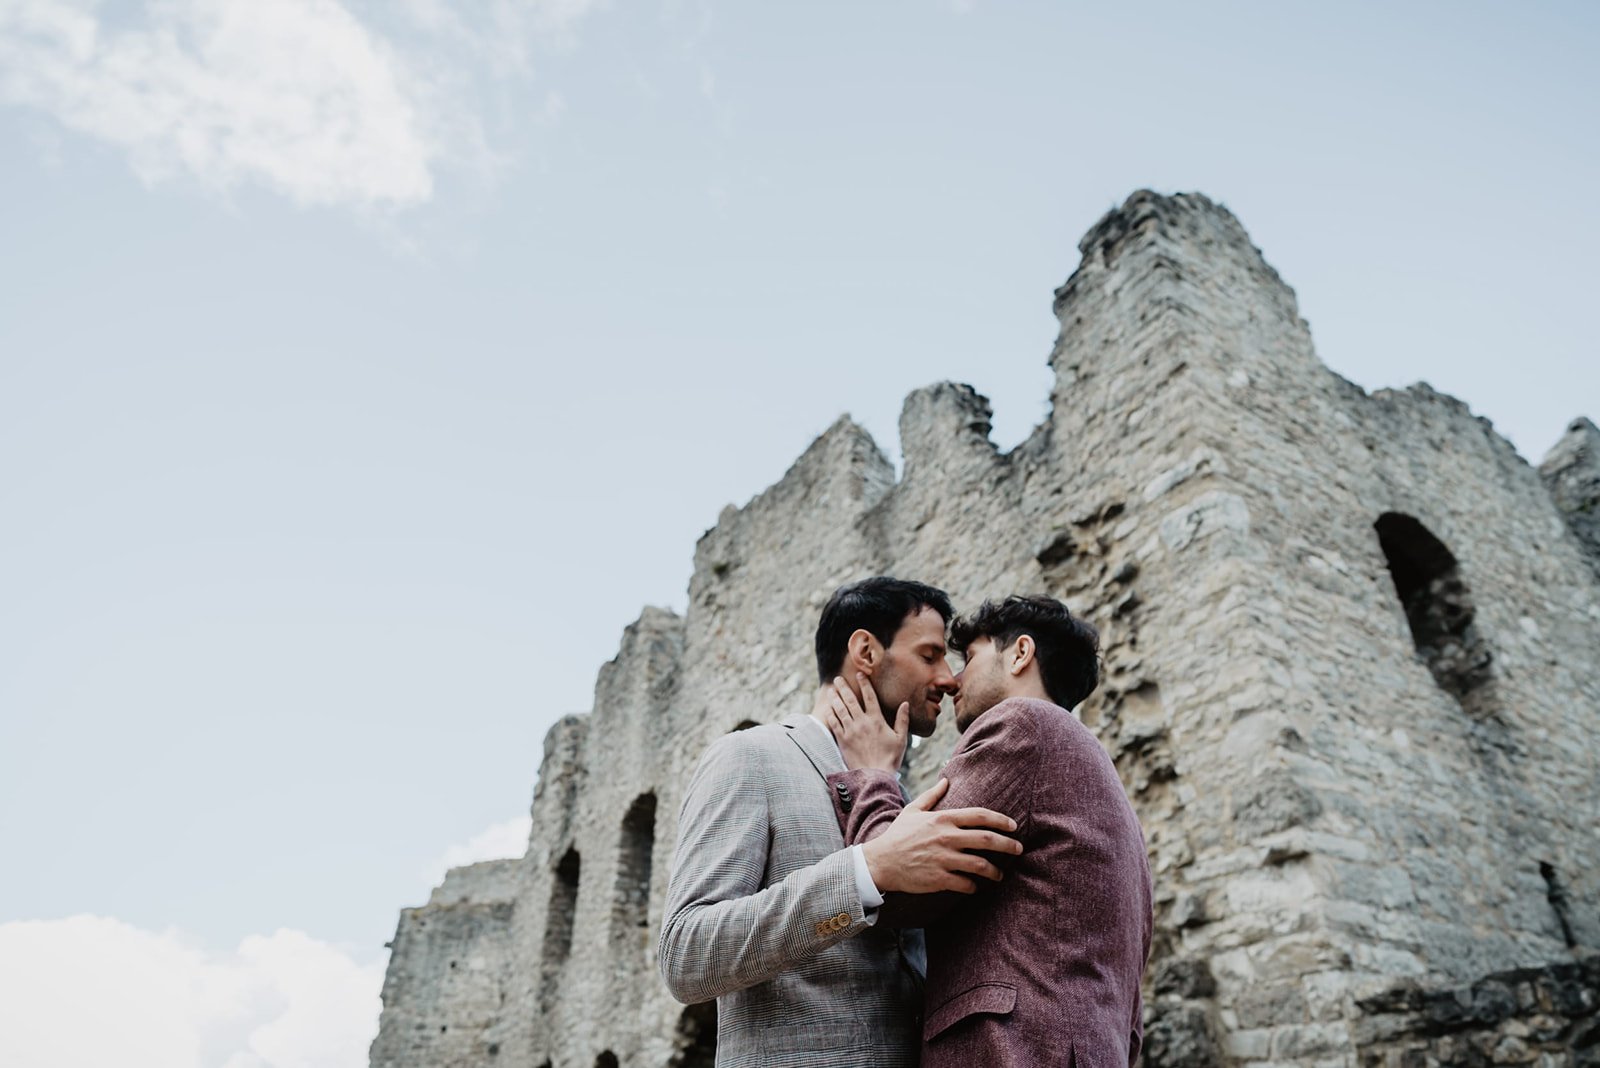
[1352, 685]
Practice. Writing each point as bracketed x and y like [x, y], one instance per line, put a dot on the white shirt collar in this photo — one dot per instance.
[826, 733]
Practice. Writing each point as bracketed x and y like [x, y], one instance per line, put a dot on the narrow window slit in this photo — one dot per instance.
[1560, 904]
[559, 920]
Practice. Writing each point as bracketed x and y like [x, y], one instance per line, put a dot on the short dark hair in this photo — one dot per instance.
[1067, 648]
[876, 605]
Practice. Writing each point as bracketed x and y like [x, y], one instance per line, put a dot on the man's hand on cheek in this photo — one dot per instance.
[865, 739]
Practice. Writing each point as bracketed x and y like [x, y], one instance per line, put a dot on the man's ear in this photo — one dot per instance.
[1023, 652]
[864, 652]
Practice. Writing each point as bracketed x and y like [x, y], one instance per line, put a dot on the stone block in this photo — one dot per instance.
[1301, 1042]
[1567, 993]
[1271, 1005]
[1253, 1045]
[1180, 1037]
[1275, 801]
[1211, 513]
[1183, 977]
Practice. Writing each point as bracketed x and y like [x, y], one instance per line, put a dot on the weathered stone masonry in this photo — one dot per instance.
[1352, 649]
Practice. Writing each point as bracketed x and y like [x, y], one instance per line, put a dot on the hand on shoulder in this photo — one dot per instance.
[924, 851]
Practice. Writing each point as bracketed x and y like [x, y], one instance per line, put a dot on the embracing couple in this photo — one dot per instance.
[804, 880]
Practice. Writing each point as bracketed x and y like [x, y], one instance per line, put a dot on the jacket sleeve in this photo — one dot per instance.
[865, 801]
[722, 931]
[993, 768]
[1136, 1030]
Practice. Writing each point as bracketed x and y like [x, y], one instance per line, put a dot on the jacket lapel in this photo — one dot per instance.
[815, 743]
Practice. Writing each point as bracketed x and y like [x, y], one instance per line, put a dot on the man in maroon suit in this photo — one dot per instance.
[1044, 966]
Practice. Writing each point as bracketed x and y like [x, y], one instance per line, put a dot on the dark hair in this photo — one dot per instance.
[876, 605]
[1067, 648]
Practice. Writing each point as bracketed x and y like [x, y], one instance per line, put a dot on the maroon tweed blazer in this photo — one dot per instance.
[1043, 967]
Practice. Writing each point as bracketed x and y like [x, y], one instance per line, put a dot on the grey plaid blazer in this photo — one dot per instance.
[763, 914]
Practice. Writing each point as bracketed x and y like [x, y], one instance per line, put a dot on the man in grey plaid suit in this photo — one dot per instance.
[768, 911]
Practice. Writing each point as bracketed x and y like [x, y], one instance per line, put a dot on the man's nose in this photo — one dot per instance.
[947, 682]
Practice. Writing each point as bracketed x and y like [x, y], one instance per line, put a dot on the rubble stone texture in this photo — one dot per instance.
[1351, 647]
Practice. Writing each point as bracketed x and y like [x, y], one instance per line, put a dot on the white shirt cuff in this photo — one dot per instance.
[865, 887]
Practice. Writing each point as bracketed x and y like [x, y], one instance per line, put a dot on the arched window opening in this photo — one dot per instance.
[695, 1045]
[607, 1059]
[559, 919]
[630, 911]
[1438, 607]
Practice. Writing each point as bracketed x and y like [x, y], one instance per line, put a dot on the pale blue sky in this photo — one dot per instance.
[335, 455]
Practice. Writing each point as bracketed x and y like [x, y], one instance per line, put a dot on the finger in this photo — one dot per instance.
[930, 797]
[845, 694]
[983, 869]
[869, 696]
[989, 842]
[959, 884]
[981, 841]
[979, 817]
[837, 706]
[834, 723]
[902, 721]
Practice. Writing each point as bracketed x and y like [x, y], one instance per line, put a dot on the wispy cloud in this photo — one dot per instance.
[497, 842]
[299, 96]
[89, 991]
[502, 31]
[296, 95]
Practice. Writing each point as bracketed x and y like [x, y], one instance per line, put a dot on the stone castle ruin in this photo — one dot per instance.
[1352, 684]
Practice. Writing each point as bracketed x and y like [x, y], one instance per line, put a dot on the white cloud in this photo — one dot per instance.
[296, 95]
[503, 31]
[299, 96]
[89, 991]
[498, 842]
